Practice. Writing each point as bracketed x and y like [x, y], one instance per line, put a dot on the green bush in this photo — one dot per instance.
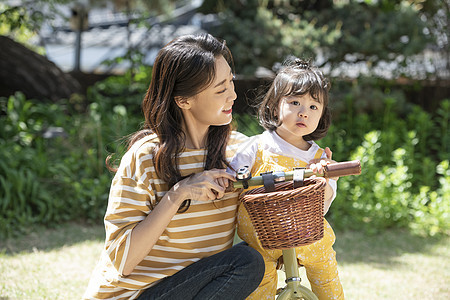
[405, 170]
[405, 180]
[389, 194]
[50, 180]
[403, 150]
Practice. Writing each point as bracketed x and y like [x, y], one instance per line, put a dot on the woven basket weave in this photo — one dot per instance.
[288, 217]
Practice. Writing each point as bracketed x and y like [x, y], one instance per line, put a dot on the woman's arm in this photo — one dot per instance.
[202, 186]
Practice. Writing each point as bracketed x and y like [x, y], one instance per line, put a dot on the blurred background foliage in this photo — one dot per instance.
[338, 32]
[52, 154]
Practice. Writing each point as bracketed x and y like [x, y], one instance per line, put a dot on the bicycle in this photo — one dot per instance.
[288, 195]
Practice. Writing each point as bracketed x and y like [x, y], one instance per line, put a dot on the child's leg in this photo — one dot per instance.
[320, 263]
[268, 286]
[324, 278]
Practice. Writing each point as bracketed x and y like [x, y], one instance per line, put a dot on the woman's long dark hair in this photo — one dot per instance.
[183, 68]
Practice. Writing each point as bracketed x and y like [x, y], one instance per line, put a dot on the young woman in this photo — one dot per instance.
[294, 113]
[169, 224]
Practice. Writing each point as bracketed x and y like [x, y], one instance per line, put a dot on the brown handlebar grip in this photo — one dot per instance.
[342, 169]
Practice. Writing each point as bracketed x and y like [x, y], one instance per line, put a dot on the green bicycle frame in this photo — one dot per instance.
[294, 288]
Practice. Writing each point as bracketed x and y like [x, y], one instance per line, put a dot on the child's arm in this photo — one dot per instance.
[245, 155]
[330, 189]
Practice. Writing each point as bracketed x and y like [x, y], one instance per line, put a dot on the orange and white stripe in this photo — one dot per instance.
[205, 229]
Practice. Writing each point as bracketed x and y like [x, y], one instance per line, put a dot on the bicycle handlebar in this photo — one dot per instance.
[332, 170]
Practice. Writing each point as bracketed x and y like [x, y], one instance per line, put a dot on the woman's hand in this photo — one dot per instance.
[206, 185]
[203, 186]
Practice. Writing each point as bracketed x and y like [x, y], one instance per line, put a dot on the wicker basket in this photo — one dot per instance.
[288, 217]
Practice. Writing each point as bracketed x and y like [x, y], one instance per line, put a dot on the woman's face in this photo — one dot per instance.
[213, 106]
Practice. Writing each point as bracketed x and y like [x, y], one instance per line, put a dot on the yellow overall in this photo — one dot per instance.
[318, 258]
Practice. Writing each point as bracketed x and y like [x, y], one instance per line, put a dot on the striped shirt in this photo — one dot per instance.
[206, 228]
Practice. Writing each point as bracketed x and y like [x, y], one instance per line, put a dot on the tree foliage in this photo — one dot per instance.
[263, 32]
[374, 33]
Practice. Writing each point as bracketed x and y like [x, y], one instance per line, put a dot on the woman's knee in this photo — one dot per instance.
[250, 259]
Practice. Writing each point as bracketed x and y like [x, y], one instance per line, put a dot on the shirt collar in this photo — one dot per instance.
[272, 142]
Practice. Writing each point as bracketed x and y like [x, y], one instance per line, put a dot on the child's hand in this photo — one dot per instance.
[316, 165]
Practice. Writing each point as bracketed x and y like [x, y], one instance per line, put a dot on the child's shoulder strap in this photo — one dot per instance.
[318, 153]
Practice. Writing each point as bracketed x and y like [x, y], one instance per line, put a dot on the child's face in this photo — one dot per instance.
[300, 116]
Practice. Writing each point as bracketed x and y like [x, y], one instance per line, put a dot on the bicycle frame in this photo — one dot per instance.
[294, 289]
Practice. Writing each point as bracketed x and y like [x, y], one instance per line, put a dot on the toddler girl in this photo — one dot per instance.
[294, 113]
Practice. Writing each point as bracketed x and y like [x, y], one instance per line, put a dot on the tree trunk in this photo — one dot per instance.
[22, 69]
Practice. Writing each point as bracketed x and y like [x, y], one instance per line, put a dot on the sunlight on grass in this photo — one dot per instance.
[57, 263]
[57, 274]
[393, 265]
[39, 272]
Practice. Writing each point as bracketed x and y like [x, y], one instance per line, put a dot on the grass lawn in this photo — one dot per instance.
[56, 264]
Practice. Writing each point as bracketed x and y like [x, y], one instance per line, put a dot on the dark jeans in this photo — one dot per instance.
[231, 274]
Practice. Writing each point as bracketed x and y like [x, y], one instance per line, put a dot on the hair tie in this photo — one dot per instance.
[301, 64]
